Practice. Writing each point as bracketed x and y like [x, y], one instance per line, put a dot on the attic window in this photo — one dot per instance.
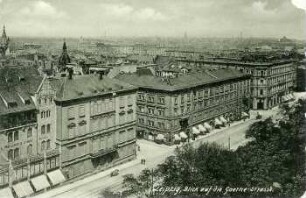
[12, 104]
[27, 102]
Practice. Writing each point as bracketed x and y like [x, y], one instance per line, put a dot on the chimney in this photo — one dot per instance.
[70, 71]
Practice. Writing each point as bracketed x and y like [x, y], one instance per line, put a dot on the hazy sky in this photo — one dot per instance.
[201, 18]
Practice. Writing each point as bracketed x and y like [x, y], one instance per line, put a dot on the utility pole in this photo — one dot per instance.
[229, 142]
[152, 182]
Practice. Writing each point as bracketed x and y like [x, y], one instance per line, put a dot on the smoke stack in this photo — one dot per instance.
[70, 71]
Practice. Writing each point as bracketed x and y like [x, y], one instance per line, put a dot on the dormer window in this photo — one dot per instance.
[12, 104]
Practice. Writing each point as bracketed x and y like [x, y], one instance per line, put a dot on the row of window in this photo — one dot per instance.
[45, 101]
[15, 153]
[160, 125]
[151, 98]
[76, 111]
[45, 145]
[45, 114]
[45, 129]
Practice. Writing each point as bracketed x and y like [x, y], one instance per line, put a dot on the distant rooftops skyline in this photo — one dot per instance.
[139, 18]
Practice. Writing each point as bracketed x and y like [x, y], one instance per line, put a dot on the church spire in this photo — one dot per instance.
[3, 32]
[64, 59]
[64, 45]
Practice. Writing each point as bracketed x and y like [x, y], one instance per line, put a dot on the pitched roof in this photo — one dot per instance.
[87, 86]
[17, 85]
[184, 81]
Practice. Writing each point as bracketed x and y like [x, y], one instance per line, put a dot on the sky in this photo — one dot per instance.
[162, 18]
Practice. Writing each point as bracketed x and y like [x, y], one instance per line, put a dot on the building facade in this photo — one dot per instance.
[205, 98]
[22, 158]
[271, 84]
[95, 123]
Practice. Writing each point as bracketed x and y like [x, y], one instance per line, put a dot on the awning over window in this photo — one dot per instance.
[56, 177]
[23, 189]
[160, 137]
[183, 135]
[40, 182]
[202, 128]
[195, 131]
[244, 114]
[6, 193]
[285, 98]
[177, 137]
[207, 126]
[223, 120]
[217, 122]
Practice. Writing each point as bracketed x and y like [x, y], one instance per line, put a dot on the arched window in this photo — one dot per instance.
[16, 153]
[16, 135]
[43, 129]
[29, 133]
[48, 128]
[10, 137]
[29, 149]
[10, 154]
[43, 145]
[48, 144]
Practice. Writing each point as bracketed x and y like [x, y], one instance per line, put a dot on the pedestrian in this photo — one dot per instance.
[138, 148]
[229, 124]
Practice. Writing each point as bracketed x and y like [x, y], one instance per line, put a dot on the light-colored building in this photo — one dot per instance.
[95, 122]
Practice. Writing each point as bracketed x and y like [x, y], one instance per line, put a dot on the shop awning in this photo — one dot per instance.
[284, 98]
[40, 182]
[291, 96]
[202, 128]
[177, 137]
[56, 177]
[160, 137]
[23, 189]
[207, 126]
[183, 135]
[223, 119]
[6, 193]
[195, 131]
[244, 114]
[217, 122]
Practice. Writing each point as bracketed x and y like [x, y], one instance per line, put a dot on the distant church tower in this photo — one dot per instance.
[64, 59]
[4, 43]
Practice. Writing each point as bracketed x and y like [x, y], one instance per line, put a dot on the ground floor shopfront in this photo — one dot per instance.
[101, 160]
[196, 128]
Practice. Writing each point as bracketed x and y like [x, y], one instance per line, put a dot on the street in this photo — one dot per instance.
[154, 154]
